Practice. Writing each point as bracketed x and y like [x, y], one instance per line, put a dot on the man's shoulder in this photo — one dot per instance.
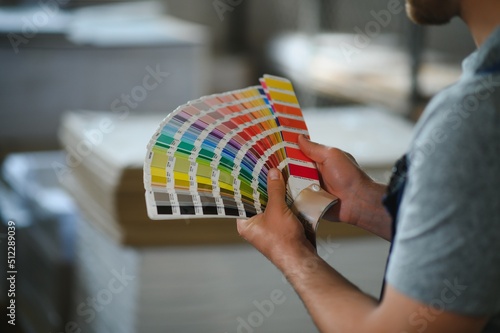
[471, 93]
[464, 115]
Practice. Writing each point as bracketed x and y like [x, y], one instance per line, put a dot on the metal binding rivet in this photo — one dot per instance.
[315, 188]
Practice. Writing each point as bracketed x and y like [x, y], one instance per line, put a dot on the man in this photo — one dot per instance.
[444, 269]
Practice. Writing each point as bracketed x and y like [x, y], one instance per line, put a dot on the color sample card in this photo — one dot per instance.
[211, 156]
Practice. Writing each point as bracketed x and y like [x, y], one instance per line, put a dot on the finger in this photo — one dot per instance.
[351, 158]
[241, 226]
[276, 189]
[315, 151]
[244, 226]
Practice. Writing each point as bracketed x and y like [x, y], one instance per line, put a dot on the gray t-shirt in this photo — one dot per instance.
[446, 251]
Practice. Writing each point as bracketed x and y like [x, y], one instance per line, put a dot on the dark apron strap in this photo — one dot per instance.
[392, 199]
[495, 68]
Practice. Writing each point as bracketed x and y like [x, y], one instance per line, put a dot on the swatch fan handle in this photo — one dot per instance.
[312, 204]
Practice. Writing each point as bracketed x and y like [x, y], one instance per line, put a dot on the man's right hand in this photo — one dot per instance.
[360, 198]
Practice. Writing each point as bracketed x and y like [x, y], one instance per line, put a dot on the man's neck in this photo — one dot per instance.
[482, 17]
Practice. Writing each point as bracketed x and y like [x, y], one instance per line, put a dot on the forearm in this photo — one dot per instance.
[335, 304]
[370, 214]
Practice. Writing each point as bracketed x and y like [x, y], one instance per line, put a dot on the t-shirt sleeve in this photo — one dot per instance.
[446, 252]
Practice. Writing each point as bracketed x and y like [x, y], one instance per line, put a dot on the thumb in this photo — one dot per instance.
[276, 189]
[315, 151]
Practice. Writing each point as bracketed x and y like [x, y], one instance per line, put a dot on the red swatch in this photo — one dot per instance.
[303, 171]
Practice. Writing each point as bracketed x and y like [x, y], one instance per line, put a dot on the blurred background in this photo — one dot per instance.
[84, 85]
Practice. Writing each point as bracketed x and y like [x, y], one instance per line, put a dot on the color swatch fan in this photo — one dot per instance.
[211, 156]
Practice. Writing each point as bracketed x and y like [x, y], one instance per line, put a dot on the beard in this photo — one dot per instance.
[432, 12]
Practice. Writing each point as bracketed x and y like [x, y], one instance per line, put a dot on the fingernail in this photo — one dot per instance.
[304, 137]
[274, 174]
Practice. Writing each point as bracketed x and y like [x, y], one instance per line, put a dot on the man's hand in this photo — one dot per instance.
[277, 232]
[360, 198]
